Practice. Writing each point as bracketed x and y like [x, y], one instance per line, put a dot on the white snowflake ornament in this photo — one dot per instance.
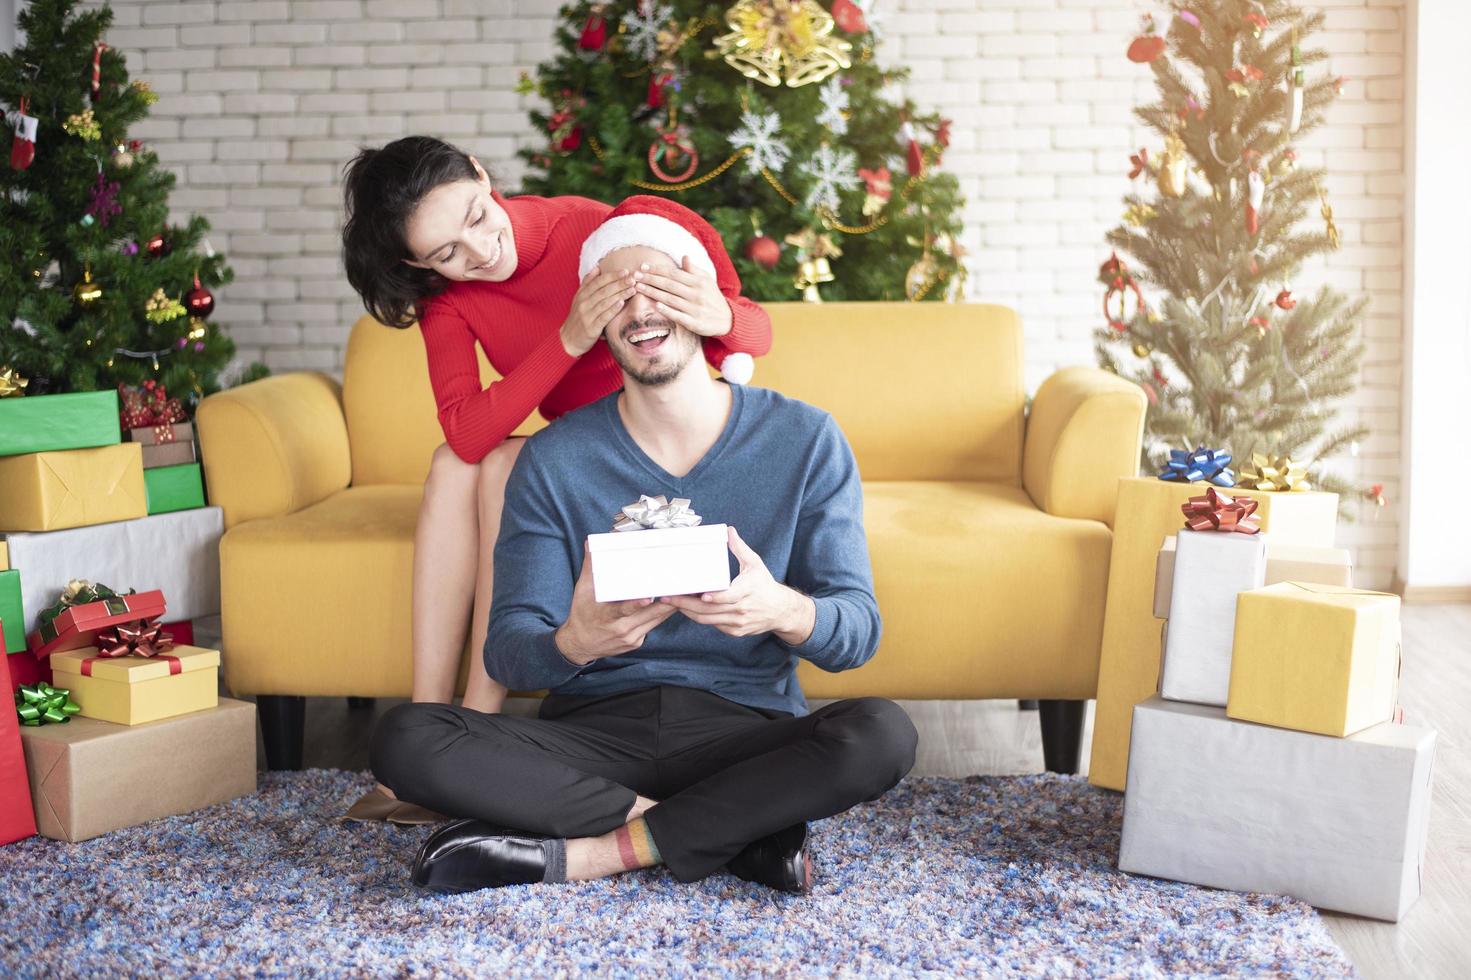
[642, 25]
[831, 172]
[758, 131]
[834, 105]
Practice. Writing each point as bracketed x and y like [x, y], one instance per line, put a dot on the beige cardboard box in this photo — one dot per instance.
[1285, 563]
[89, 777]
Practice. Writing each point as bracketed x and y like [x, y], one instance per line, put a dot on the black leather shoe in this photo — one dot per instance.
[779, 861]
[468, 855]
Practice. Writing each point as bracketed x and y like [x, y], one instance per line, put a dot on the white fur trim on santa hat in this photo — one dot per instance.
[738, 367]
[649, 230]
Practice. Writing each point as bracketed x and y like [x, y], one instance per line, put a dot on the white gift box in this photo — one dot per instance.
[178, 553]
[659, 562]
[1337, 822]
[1285, 563]
[1211, 567]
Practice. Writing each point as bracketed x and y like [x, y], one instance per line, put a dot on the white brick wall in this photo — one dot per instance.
[263, 102]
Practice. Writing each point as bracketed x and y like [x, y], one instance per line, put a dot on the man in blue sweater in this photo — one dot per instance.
[675, 731]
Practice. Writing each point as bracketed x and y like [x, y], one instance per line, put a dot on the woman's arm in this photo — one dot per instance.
[476, 420]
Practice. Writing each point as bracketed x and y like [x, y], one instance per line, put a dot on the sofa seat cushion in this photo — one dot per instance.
[982, 596]
[311, 600]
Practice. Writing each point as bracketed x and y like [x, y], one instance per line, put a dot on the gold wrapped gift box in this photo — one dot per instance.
[73, 488]
[1315, 658]
[134, 690]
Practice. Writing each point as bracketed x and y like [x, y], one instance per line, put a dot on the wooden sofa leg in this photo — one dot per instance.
[1062, 734]
[1027, 704]
[282, 727]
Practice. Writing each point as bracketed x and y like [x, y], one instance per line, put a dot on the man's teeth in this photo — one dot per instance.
[642, 336]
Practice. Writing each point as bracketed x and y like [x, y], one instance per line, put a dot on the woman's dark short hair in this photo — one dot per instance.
[382, 189]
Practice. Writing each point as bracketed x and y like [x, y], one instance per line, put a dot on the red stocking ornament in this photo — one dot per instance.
[594, 32]
[23, 146]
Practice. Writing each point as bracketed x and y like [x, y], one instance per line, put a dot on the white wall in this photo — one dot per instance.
[263, 101]
[8, 11]
[1435, 547]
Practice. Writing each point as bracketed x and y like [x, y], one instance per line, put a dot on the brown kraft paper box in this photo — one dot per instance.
[90, 777]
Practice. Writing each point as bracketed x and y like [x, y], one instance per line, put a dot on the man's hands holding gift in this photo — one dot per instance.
[595, 630]
[754, 603]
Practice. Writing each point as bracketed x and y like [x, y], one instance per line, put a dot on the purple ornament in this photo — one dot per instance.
[1190, 18]
[198, 346]
[104, 199]
[182, 342]
[130, 248]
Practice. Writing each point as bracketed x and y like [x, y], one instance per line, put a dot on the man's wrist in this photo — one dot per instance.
[559, 640]
[800, 618]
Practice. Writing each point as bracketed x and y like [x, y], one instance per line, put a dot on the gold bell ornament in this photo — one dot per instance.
[87, 292]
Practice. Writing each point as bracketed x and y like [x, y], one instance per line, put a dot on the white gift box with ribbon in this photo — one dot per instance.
[658, 548]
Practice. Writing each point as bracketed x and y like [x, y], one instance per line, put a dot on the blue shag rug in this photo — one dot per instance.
[987, 875]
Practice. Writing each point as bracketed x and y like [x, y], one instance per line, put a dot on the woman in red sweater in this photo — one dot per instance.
[428, 238]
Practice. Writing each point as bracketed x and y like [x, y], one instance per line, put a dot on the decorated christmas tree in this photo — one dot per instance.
[95, 288]
[1199, 302]
[773, 119]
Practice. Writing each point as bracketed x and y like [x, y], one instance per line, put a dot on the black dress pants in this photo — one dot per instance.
[724, 774]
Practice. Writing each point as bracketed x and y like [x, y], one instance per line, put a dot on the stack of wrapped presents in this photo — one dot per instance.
[1274, 757]
[117, 717]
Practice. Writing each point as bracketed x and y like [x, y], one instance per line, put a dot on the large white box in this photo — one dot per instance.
[1211, 567]
[178, 553]
[659, 562]
[1337, 822]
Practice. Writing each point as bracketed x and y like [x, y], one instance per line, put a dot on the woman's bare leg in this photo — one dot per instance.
[446, 553]
[482, 693]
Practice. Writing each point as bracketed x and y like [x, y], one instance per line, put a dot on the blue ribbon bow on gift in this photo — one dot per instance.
[1210, 465]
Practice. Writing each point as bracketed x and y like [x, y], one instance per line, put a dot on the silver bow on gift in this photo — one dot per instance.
[655, 512]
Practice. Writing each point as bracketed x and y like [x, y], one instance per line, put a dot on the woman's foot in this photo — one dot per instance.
[379, 804]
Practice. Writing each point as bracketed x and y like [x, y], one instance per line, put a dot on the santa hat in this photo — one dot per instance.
[675, 230]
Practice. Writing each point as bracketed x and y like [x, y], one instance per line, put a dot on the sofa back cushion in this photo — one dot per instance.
[924, 391]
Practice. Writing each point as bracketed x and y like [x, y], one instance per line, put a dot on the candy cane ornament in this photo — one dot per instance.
[1255, 188]
[97, 50]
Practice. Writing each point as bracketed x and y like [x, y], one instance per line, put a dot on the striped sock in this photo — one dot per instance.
[555, 849]
[636, 847]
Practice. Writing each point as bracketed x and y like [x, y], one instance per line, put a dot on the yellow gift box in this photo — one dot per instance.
[1129, 661]
[72, 488]
[1315, 658]
[133, 690]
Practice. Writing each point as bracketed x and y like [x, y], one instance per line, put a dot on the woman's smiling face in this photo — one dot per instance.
[460, 232]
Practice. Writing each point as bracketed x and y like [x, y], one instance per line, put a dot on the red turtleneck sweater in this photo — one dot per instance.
[518, 324]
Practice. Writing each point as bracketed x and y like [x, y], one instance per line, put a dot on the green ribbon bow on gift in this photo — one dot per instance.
[78, 592]
[40, 704]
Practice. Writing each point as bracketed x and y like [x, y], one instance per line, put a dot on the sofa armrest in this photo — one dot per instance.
[1085, 431]
[274, 446]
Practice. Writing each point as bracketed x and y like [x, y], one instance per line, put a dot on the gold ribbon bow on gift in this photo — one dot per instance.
[649, 513]
[1277, 473]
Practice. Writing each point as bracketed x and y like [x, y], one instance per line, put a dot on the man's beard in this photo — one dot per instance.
[679, 347]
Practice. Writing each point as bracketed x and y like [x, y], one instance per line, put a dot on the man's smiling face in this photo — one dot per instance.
[650, 348]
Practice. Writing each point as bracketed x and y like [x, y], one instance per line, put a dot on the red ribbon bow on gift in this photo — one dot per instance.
[1219, 512]
[140, 638]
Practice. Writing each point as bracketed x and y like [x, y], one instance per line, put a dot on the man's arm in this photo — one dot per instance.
[825, 612]
[830, 560]
[544, 627]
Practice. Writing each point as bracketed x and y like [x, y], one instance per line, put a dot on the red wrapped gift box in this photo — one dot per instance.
[77, 626]
[25, 669]
[17, 818]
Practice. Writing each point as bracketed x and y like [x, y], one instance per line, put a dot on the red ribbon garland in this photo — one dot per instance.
[1219, 512]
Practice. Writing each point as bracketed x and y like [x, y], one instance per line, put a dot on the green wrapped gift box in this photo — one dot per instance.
[172, 488]
[47, 423]
[10, 612]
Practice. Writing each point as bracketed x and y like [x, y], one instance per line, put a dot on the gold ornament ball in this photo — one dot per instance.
[87, 292]
[1142, 350]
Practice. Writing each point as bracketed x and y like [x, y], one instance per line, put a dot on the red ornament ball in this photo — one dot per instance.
[158, 246]
[849, 17]
[1145, 48]
[764, 251]
[199, 301]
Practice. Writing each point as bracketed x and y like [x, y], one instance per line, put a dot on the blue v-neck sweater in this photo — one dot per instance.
[781, 473]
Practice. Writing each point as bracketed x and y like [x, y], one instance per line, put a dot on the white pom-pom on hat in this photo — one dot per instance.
[738, 368]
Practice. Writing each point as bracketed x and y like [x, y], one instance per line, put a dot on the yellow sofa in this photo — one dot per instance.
[988, 525]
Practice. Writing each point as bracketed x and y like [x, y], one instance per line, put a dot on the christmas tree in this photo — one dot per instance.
[1199, 304]
[773, 120]
[95, 289]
